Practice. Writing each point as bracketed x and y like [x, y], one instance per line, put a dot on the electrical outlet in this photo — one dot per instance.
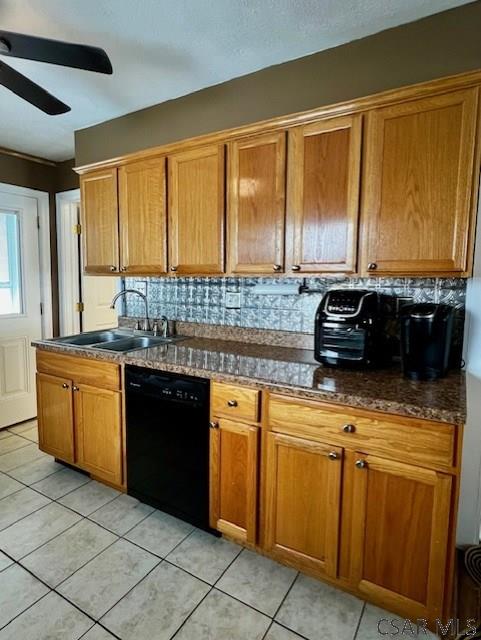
[232, 300]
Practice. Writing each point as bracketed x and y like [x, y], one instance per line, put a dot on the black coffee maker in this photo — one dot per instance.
[426, 332]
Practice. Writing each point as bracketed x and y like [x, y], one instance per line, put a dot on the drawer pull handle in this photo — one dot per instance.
[214, 425]
[333, 455]
[361, 464]
[65, 386]
[349, 428]
[232, 403]
[75, 388]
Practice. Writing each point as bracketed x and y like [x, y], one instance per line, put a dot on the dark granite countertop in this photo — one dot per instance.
[295, 372]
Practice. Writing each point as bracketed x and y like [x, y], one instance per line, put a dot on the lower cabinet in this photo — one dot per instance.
[234, 478]
[55, 416]
[401, 518]
[98, 432]
[303, 499]
[80, 414]
[360, 498]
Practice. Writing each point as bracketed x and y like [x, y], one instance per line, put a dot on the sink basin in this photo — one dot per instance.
[116, 340]
[94, 337]
[137, 342]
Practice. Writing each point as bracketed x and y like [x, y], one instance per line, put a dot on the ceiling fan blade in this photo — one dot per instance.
[31, 92]
[66, 54]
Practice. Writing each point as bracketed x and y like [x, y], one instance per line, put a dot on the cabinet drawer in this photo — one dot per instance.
[105, 375]
[409, 439]
[235, 402]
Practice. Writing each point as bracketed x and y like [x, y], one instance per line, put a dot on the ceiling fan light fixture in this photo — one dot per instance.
[5, 46]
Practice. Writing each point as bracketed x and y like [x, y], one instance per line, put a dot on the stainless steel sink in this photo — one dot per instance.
[94, 337]
[137, 342]
[116, 340]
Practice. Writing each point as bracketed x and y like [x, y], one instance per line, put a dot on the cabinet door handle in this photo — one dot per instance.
[123, 268]
[75, 388]
[349, 428]
[295, 267]
[276, 267]
[333, 455]
[232, 403]
[372, 266]
[173, 268]
[65, 386]
[214, 425]
[113, 268]
[361, 464]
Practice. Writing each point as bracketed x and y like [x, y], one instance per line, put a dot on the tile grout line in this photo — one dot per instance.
[131, 589]
[26, 609]
[359, 621]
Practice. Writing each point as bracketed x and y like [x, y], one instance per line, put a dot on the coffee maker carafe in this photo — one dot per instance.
[426, 332]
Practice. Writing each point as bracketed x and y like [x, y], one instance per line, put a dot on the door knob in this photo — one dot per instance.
[372, 266]
[361, 464]
[214, 425]
[65, 386]
[276, 267]
[295, 267]
[232, 403]
[112, 268]
[349, 428]
[333, 455]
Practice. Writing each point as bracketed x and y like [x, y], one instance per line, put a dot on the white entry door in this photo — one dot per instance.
[20, 314]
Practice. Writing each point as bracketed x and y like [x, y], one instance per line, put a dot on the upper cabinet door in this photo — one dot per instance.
[196, 211]
[256, 204]
[324, 161]
[143, 211]
[417, 185]
[100, 222]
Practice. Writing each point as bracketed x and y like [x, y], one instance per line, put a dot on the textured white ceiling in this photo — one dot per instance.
[163, 49]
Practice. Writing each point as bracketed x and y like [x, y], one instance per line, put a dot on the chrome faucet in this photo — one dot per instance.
[145, 325]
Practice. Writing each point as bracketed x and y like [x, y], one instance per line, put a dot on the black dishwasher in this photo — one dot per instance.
[167, 419]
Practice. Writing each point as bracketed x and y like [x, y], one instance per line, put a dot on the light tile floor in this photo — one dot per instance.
[80, 560]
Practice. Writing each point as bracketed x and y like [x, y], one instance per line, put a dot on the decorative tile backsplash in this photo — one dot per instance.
[203, 300]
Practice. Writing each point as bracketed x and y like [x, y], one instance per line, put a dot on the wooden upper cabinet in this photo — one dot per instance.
[196, 210]
[418, 185]
[100, 223]
[303, 502]
[55, 416]
[401, 519]
[324, 161]
[256, 204]
[143, 215]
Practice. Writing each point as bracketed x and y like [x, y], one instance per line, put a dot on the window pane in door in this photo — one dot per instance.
[10, 270]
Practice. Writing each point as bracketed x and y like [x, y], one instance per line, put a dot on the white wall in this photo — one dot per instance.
[470, 500]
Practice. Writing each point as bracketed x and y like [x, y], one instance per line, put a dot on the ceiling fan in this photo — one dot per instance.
[78, 56]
